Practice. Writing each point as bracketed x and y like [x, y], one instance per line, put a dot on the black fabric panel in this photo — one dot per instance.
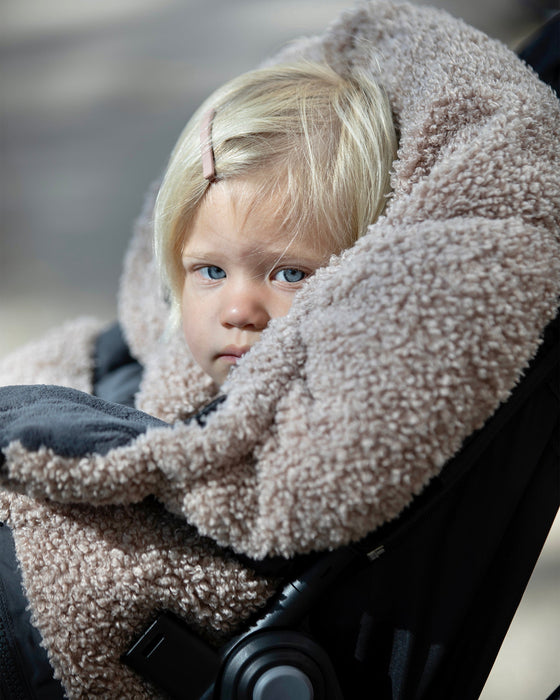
[117, 374]
[111, 351]
[121, 385]
[542, 52]
[72, 423]
[25, 672]
[426, 619]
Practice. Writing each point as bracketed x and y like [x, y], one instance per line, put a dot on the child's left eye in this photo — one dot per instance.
[290, 274]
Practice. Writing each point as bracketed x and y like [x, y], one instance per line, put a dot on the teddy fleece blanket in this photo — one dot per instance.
[347, 407]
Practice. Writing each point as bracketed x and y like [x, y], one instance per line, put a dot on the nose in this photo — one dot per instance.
[245, 306]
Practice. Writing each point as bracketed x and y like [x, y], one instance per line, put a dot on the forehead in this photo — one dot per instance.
[243, 214]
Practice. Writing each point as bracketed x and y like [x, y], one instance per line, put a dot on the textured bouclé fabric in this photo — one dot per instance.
[389, 358]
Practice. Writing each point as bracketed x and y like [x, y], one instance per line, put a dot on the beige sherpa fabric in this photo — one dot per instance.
[63, 356]
[347, 407]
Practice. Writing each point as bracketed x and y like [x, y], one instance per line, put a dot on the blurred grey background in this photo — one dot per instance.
[93, 94]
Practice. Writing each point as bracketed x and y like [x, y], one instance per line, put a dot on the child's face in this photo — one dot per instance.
[241, 270]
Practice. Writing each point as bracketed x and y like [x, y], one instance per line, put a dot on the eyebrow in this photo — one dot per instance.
[269, 257]
[199, 255]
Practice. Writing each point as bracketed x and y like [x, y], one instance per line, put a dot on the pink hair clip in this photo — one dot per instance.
[207, 152]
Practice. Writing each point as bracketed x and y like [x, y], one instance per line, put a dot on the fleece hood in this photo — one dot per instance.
[399, 349]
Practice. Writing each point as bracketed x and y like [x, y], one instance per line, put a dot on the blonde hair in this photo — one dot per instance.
[321, 144]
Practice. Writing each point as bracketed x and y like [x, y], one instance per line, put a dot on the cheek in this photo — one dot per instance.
[188, 331]
[282, 304]
[191, 320]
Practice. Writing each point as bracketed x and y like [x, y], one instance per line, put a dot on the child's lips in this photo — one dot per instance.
[232, 353]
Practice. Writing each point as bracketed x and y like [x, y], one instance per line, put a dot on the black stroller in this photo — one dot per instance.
[420, 608]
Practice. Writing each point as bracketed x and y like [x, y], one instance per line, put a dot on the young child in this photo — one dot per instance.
[361, 385]
[278, 170]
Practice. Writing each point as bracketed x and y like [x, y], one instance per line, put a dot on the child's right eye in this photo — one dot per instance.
[212, 272]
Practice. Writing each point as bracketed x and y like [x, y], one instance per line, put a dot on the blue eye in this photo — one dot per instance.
[291, 275]
[212, 272]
